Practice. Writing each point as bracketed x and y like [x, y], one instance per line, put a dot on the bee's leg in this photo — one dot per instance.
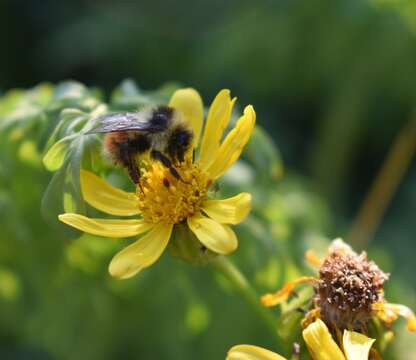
[127, 158]
[134, 173]
[157, 155]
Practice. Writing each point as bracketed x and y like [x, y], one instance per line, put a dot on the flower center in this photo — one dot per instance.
[164, 198]
[349, 285]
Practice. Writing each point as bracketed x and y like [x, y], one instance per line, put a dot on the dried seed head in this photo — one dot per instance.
[348, 286]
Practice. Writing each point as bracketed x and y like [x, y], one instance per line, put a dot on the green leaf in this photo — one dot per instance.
[29, 154]
[55, 156]
[187, 247]
[23, 110]
[64, 119]
[53, 201]
[74, 94]
[76, 161]
[264, 155]
[128, 95]
[128, 87]
[65, 188]
[9, 101]
[70, 90]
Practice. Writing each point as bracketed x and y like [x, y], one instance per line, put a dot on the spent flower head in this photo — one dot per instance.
[348, 294]
[162, 201]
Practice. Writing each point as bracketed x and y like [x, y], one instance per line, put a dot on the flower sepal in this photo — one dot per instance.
[185, 245]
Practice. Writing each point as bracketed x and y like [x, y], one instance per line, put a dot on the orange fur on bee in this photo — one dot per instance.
[111, 145]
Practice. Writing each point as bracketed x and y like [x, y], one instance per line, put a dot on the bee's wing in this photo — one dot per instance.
[129, 121]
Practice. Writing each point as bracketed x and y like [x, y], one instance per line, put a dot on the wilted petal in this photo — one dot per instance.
[312, 258]
[282, 294]
[389, 313]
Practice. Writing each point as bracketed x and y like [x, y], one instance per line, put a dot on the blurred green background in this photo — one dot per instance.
[333, 83]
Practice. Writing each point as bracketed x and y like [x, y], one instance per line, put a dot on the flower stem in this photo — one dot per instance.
[230, 271]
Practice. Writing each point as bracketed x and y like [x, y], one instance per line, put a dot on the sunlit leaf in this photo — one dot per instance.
[55, 156]
[264, 155]
[129, 96]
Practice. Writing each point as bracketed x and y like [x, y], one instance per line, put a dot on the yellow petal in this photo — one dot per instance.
[105, 227]
[250, 352]
[356, 346]
[389, 312]
[411, 324]
[190, 104]
[282, 294]
[230, 150]
[218, 118]
[312, 258]
[104, 197]
[228, 211]
[320, 343]
[215, 236]
[142, 253]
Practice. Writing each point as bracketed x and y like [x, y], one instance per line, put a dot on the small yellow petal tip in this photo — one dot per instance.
[312, 258]
[251, 352]
[411, 324]
[62, 217]
[249, 110]
[182, 90]
[224, 92]
[270, 300]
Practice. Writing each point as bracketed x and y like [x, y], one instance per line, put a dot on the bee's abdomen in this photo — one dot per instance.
[121, 147]
[112, 143]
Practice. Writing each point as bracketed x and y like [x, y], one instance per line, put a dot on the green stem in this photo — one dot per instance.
[230, 271]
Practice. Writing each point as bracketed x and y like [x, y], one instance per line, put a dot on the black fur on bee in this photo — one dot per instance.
[179, 142]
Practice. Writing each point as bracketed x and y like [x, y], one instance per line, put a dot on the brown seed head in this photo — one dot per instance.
[348, 286]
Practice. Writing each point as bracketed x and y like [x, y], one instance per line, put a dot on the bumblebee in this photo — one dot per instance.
[162, 132]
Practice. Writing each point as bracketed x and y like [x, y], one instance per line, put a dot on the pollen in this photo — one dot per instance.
[164, 198]
[349, 285]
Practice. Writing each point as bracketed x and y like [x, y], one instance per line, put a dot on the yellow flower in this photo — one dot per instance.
[320, 344]
[159, 206]
[349, 292]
